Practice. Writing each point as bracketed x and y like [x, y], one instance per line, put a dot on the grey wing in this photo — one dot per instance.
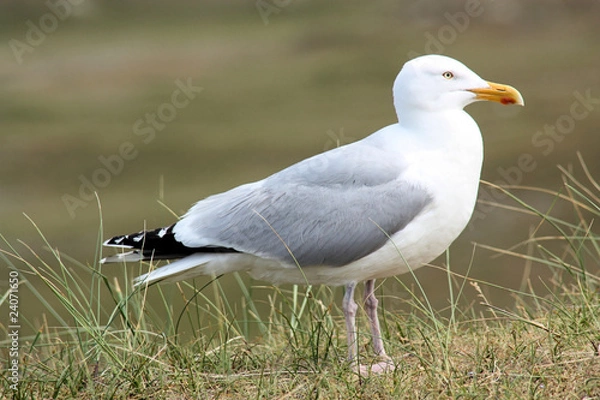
[331, 209]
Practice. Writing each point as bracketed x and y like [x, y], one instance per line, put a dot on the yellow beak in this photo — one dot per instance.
[499, 93]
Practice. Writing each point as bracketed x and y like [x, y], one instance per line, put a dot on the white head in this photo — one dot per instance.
[436, 83]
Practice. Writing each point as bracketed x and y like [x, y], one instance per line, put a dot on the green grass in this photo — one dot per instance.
[546, 346]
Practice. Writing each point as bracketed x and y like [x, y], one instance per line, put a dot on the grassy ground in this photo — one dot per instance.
[546, 346]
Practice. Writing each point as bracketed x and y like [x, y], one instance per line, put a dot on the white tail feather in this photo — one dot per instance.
[176, 271]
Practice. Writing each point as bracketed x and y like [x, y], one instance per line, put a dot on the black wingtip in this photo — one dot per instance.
[159, 244]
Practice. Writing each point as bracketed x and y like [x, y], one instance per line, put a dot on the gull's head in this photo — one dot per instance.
[436, 83]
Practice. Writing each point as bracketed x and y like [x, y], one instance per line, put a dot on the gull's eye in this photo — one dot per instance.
[448, 75]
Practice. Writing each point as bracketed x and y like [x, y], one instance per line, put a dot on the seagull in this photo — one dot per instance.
[375, 208]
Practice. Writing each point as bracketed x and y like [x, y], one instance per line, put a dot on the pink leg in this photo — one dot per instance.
[371, 303]
[349, 307]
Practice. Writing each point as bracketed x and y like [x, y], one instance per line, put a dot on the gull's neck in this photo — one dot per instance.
[452, 131]
[426, 120]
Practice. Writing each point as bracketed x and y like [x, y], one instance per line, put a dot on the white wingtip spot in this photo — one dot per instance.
[130, 256]
[121, 246]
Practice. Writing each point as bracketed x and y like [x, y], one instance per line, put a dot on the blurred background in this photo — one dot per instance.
[155, 105]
